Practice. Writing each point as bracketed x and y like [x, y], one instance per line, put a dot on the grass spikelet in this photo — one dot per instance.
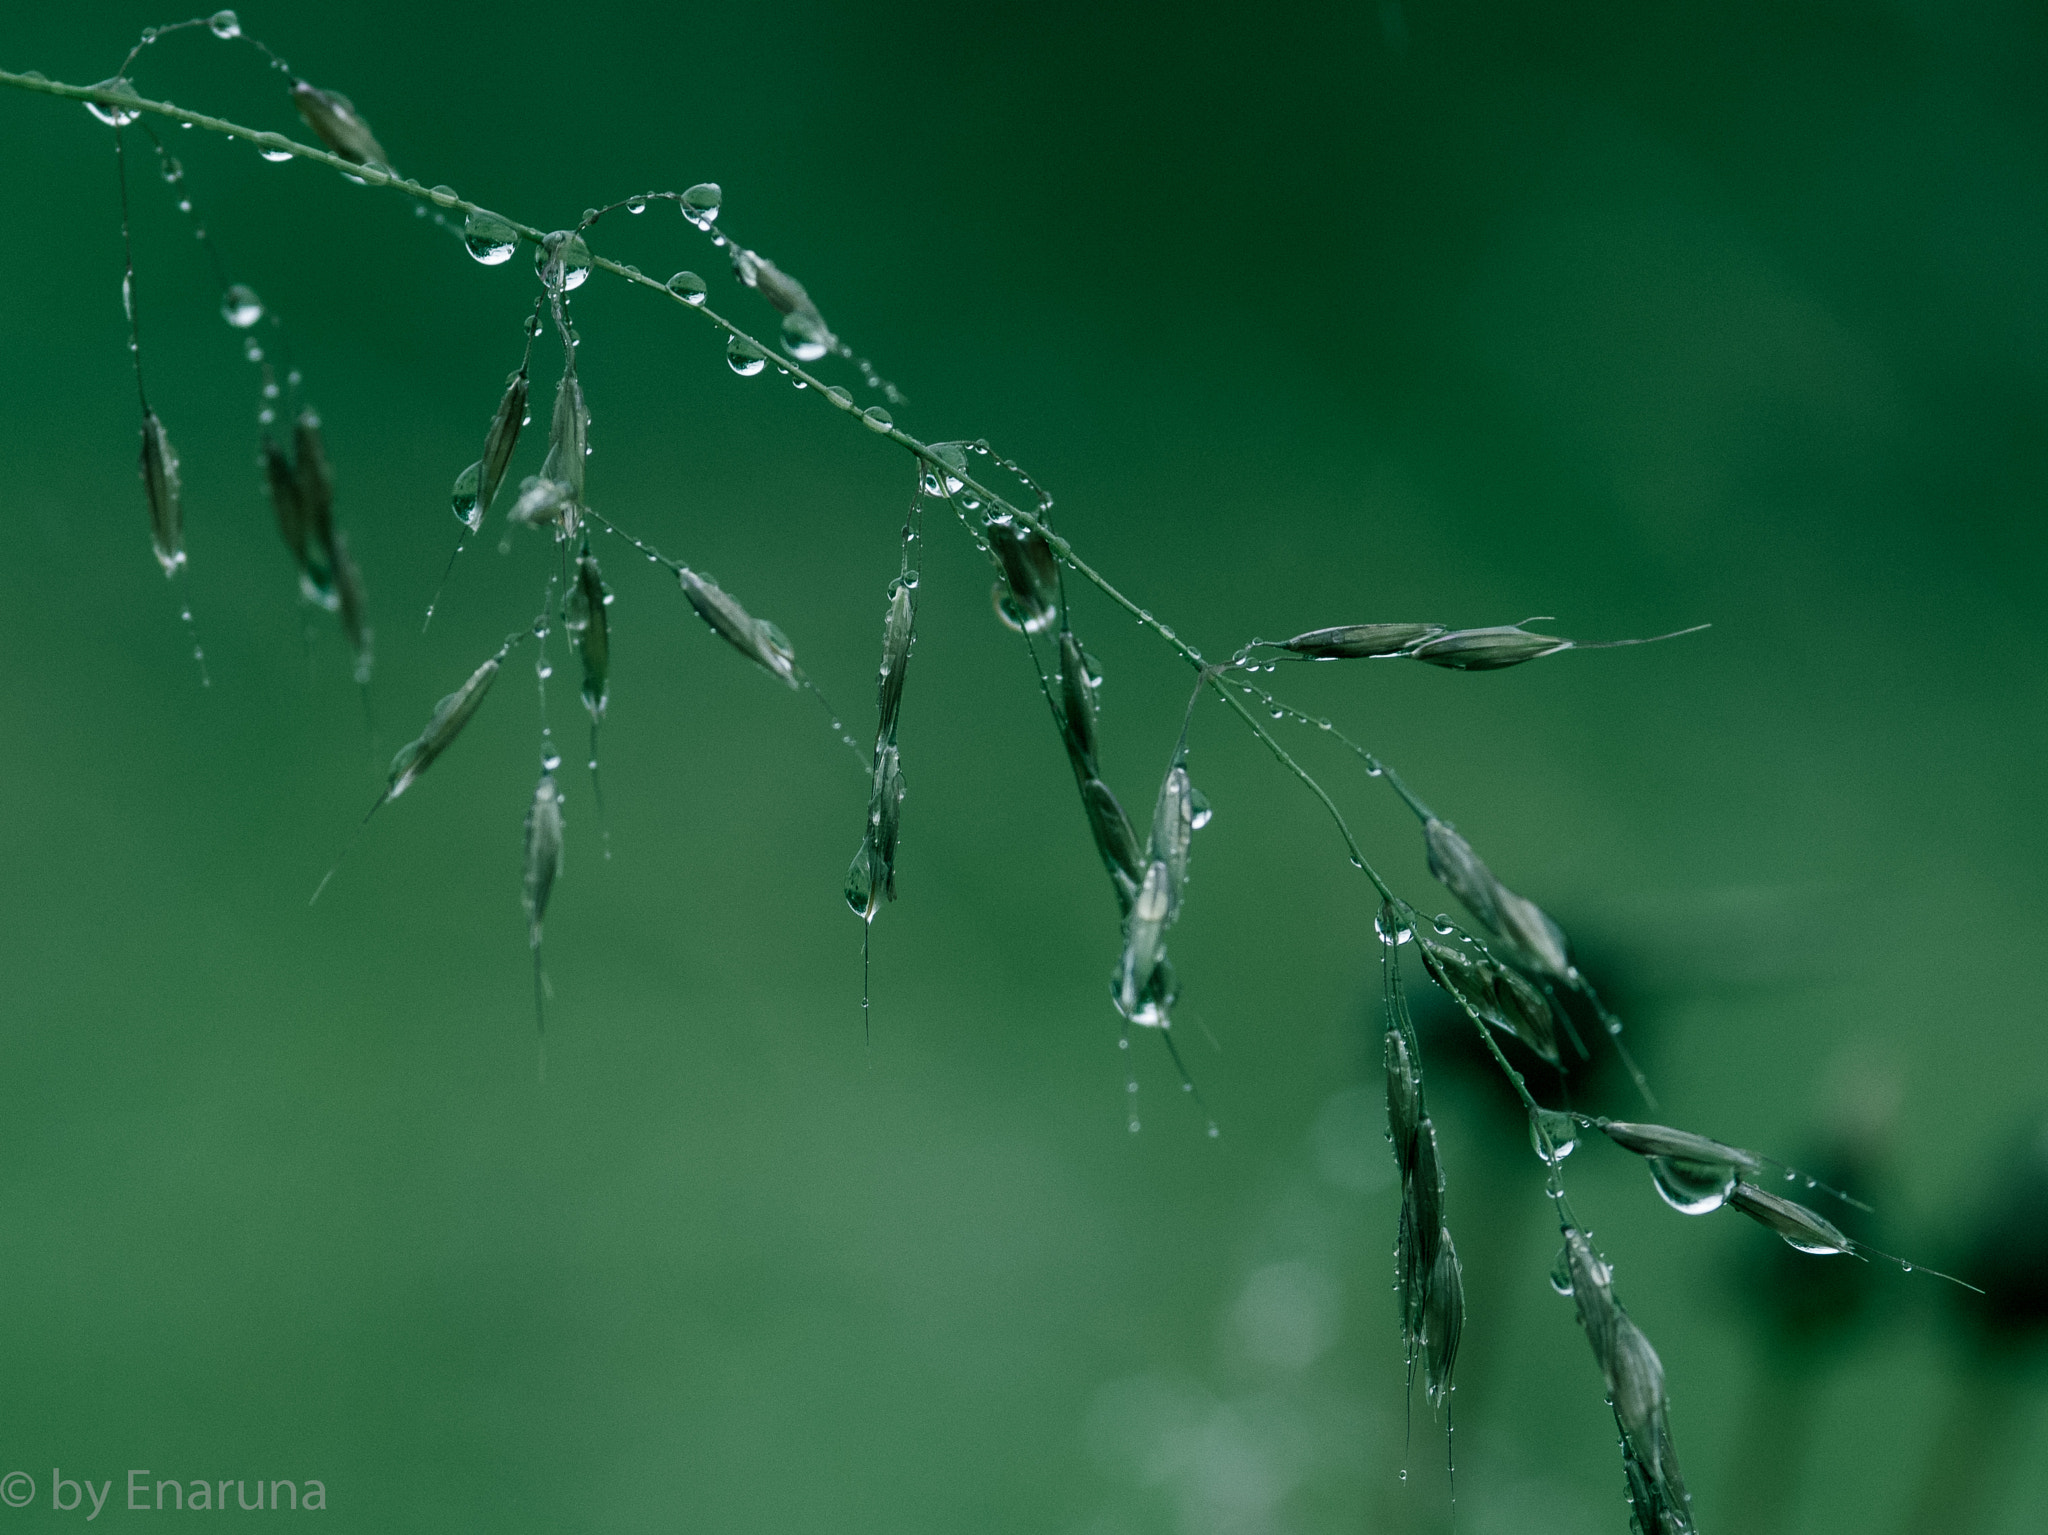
[1485, 650]
[315, 483]
[1523, 928]
[755, 638]
[1799, 1226]
[159, 469]
[543, 868]
[283, 489]
[499, 442]
[341, 128]
[584, 616]
[1658, 1501]
[351, 603]
[1079, 679]
[568, 440]
[1029, 597]
[1493, 994]
[1114, 840]
[872, 878]
[442, 727]
[1358, 641]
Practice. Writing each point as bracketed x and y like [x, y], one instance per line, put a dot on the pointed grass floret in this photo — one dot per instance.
[159, 469]
[1799, 1226]
[755, 638]
[1029, 598]
[543, 854]
[1694, 1175]
[898, 633]
[443, 726]
[568, 435]
[499, 442]
[1485, 650]
[1114, 840]
[1524, 929]
[1079, 678]
[872, 877]
[1359, 641]
[589, 627]
[1493, 994]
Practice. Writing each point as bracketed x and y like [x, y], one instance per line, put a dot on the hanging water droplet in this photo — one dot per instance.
[878, 419]
[1692, 1188]
[687, 286]
[489, 238]
[1202, 813]
[464, 497]
[1561, 1273]
[551, 760]
[839, 396]
[804, 337]
[1392, 929]
[563, 261]
[446, 197]
[224, 25]
[533, 328]
[1561, 1130]
[744, 358]
[700, 203]
[636, 205]
[112, 116]
[544, 671]
[240, 306]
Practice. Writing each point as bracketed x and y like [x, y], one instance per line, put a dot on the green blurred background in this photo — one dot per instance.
[1641, 315]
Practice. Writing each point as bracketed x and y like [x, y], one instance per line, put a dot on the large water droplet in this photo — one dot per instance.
[563, 261]
[224, 25]
[1692, 1188]
[1561, 1273]
[1201, 812]
[803, 337]
[687, 286]
[636, 205]
[489, 238]
[1561, 1130]
[240, 306]
[744, 358]
[114, 117]
[463, 499]
[878, 419]
[700, 203]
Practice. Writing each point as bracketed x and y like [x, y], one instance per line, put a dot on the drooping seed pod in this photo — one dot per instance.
[1485, 650]
[568, 436]
[1493, 994]
[543, 854]
[1357, 641]
[899, 628]
[1114, 840]
[584, 616]
[499, 442]
[315, 483]
[351, 602]
[443, 726]
[341, 128]
[1524, 929]
[1694, 1175]
[1031, 574]
[1799, 1226]
[1404, 1099]
[1173, 831]
[283, 487]
[1145, 947]
[159, 468]
[872, 878]
[1078, 682]
[755, 638]
[1443, 1320]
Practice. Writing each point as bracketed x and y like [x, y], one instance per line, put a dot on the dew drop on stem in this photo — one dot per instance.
[489, 238]
[240, 306]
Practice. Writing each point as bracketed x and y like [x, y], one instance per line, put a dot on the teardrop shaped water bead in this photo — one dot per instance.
[1201, 812]
[444, 196]
[687, 286]
[240, 306]
[700, 203]
[274, 147]
[1561, 1273]
[224, 25]
[563, 261]
[489, 238]
[1692, 1188]
[463, 498]
[114, 117]
[803, 337]
[877, 419]
[744, 358]
[1561, 1130]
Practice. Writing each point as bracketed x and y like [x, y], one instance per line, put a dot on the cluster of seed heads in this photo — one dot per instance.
[1506, 975]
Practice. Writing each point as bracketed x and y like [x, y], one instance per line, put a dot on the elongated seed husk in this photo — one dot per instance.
[1443, 1319]
[443, 726]
[754, 638]
[898, 632]
[589, 626]
[1357, 641]
[568, 436]
[1531, 938]
[1078, 682]
[1173, 832]
[1495, 995]
[1144, 945]
[1030, 570]
[316, 500]
[774, 284]
[499, 442]
[543, 854]
[159, 470]
[872, 877]
[1485, 650]
[283, 487]
[351, 602]
[1662, 1141]
[1114, 839]
[1404, 1099]
[1794, 1222]
[341, 128]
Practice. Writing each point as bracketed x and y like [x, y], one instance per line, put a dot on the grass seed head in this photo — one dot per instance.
[1173, 832]
[315, 482]
[872, 878]
[341, 128]
[1485, 650]
[1524, 929]
[1031, 572]
[585, 617]
[1078, 682]
[1443, 1320]
[284, 499]
[898, 631]
[1404, 1099]
[1145, 947]
[1355, 641]
[499, 442]
[1494, 994]
[1114, 840]
[351, 602]
[543, 854]
[160, 483]
[754, 638]
[1798, 1225]
[443, 726]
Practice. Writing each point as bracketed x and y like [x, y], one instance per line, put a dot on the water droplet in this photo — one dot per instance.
[533, 328]
[224, 25]
[636, 205]
[1134, 1127]
[1692, 1188]
[274, 147]
[1562, 1131]
[744, 358]
[489, 238]
[700, 203]
[563, 261]
[1123, 1043]
[1561, 1273]
[114, 117]
[551, 760]
[804, 337]
[1202, 812]
[240, 306]
[839, 396]
[446, 197]
[877, 418]
[687, 286]
[463, 499]
[545, 671]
